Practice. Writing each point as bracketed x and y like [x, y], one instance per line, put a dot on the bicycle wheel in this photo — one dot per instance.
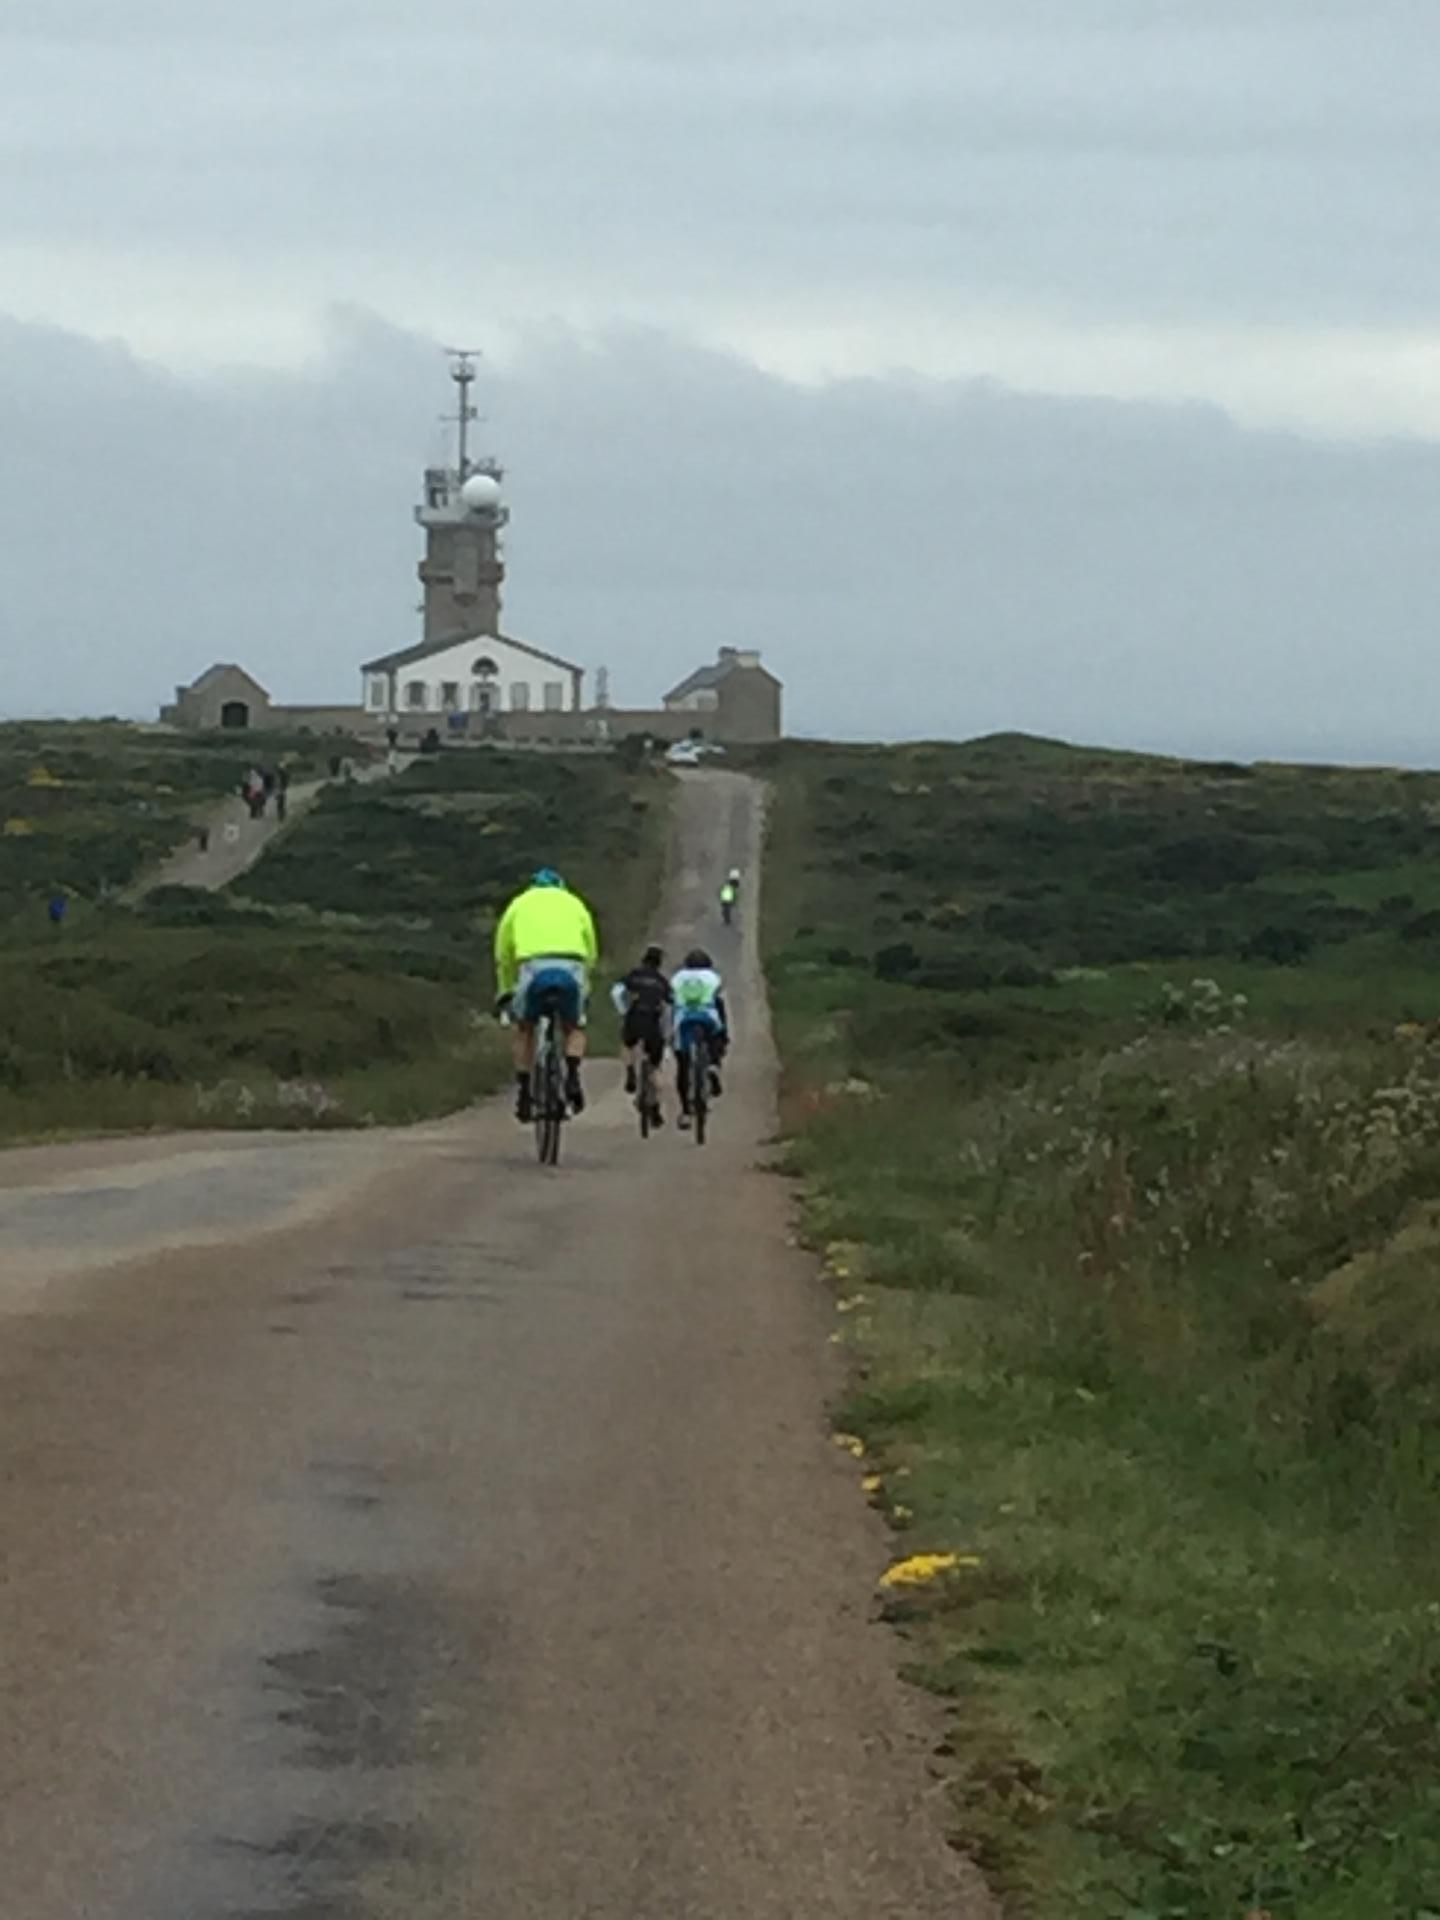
[645, 1098]
[548, 1094]
[700, 1086]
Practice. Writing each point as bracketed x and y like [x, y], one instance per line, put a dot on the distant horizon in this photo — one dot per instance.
[1211, 756]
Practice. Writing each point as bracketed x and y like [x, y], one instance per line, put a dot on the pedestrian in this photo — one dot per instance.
[202, 838]
[282, 794]
[335, 766]
[392, 737]
[59, 907]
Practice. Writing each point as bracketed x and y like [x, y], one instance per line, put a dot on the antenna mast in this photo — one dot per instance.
[462, 372]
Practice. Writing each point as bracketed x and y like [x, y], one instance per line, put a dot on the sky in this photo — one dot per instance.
[1069, 365]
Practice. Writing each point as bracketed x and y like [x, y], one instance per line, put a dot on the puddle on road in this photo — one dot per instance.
[371, 1705]
[364, 1695]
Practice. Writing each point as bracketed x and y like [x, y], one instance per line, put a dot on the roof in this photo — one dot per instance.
[704, 678]
[423, 649]
[700, 680]
[213, 673]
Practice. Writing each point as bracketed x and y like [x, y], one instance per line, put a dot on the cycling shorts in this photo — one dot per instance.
[708, 1021]
[645, 1027]
[546, 978]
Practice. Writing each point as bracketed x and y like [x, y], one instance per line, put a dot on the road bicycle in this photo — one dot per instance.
[547, 1081]
[697, 1076]
[647, 1094]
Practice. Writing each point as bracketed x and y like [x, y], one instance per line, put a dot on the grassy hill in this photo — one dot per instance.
[86, 806]
[1113, 1084]
[344, 981]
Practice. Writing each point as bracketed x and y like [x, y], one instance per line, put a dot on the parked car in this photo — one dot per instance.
[684, 753]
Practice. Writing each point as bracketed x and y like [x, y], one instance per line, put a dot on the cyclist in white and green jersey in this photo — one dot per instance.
[699, 1000]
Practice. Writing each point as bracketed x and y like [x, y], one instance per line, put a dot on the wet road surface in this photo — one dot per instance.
[390, 1528]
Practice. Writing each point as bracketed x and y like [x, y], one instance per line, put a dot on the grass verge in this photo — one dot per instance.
[1138, 1253]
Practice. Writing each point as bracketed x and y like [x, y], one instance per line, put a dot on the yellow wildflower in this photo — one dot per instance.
[873, 1482]
[849, 1306]
[922, 1568]
[851, 1444]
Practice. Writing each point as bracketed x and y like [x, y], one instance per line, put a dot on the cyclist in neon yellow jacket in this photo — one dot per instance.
[546, 944]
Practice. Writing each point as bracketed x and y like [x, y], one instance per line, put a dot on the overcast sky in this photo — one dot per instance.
[1066, 364]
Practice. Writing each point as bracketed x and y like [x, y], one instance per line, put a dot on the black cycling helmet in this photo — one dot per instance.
[697, 957]
[654, 956]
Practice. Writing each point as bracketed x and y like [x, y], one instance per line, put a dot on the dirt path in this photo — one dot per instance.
[236, 841]
[389, 1528]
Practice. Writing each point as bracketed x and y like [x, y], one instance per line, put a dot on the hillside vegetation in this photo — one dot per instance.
[84, 807]
[345, 980]
[1113, 1085]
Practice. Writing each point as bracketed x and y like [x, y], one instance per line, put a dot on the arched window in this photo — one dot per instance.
[485, 668]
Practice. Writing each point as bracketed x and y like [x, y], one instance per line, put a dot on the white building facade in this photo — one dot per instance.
[483, 674]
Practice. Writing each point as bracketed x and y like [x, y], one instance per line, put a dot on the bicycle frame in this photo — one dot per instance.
[547, 1086]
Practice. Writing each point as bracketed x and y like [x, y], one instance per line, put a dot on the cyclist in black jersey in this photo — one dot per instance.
[644, 999]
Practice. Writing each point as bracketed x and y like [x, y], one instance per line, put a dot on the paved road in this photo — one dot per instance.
[390, 1528]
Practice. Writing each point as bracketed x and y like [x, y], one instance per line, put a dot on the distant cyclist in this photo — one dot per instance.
[729, 894]
[643, 999]
[546, 943]
[699, 1000]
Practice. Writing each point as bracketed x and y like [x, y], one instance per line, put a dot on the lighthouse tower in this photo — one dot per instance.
[463, 514]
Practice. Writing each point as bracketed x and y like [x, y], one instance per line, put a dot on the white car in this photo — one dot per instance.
[684, 753]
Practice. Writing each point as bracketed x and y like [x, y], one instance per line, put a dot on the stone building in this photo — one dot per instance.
[466, 675]
[223, 697]
[737, 699]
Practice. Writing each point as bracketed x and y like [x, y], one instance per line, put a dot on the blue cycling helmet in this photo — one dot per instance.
[546, 877]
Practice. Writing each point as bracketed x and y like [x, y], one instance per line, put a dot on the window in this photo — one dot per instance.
[377, 694]
[519, 696]
[450, 695]
[554, 696]
[415, 694]
[484, 668]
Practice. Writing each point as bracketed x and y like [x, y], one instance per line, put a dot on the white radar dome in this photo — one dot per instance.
[481, 493]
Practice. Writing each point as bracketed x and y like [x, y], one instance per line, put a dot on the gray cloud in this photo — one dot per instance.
[1271, 160]
[913, 557]
[641, 205]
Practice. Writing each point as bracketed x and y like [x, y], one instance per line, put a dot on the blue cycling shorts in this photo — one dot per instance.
[559, 981]
[705, 1018]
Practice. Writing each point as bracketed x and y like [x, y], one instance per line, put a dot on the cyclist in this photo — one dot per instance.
[699, 1000]
[545, 943]
[643, 999]
[729, 894]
